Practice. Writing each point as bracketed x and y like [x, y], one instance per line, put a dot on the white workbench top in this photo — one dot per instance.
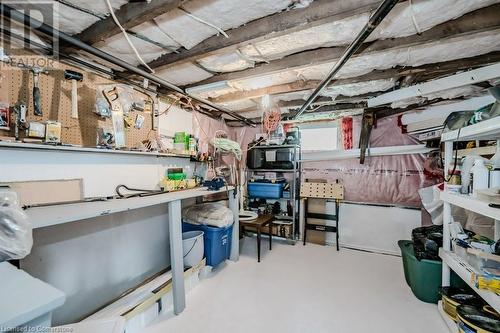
[53, 215]
[23, 297]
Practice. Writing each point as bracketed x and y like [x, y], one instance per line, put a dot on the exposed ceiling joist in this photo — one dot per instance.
[318, 12]
[419, 74]
[485, 19]
[129, 15]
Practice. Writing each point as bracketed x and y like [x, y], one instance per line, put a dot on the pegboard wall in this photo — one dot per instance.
[17, 84]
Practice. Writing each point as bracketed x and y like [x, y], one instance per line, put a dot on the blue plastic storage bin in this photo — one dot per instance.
[217, 241]
[265, 190]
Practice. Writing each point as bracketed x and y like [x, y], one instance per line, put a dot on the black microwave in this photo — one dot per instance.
[271, 158]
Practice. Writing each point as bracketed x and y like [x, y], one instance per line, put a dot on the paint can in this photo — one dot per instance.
[472, 319]
[453, 297]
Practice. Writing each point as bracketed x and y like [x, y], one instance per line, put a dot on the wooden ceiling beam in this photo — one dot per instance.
[481, 20]
[318, 12]
[129, 15]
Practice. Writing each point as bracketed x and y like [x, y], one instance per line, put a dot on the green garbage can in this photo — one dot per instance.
[424, 276]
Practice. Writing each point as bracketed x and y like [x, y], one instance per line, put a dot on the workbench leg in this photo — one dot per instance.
[270, 235]
[305, 220]
[258, 244]
[176, 255]
[337, 210]
[235, 241]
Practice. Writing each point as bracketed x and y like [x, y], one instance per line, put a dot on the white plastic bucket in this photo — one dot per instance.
[193, 247]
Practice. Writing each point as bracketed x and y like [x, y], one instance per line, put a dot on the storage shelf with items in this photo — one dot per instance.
[273, 176]
[461, 253]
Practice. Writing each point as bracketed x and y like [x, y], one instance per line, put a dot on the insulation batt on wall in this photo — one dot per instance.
[383, 179]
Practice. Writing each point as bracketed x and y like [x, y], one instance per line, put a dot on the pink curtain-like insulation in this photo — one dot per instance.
[383, 179]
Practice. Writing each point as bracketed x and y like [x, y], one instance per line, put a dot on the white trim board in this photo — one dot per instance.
[354, 153]
[444, 110]
[453, 81]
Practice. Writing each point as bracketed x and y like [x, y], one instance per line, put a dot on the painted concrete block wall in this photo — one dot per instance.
[95, 260]
[376, 228]
[368, 227]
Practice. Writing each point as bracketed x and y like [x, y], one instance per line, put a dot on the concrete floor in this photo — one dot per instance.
[304, 289]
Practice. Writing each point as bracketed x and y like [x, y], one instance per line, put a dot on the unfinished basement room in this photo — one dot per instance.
[242, 166]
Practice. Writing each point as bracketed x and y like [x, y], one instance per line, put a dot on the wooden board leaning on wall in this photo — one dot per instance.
[16, 85]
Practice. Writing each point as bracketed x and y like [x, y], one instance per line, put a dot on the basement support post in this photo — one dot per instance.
[176, 255]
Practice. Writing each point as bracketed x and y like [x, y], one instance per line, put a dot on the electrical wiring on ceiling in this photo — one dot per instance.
[194, 17]
[125, 34]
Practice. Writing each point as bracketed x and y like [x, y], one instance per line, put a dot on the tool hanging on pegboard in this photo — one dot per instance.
[116, 115]
[74, 77]
[20, 118]
[37, 103]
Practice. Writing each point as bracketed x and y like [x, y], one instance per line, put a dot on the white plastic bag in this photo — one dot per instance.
[212, 214]
[16, 233]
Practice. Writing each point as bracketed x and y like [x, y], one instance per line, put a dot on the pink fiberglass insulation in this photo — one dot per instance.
[383, 179]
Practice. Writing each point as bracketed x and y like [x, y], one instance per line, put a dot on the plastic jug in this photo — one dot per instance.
[479, 176]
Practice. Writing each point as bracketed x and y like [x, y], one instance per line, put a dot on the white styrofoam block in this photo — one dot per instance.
[231, 14]
[150, 314]
[228, 62]
[167, 302]
[183, 74]
[117, 45]
[136, 324]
